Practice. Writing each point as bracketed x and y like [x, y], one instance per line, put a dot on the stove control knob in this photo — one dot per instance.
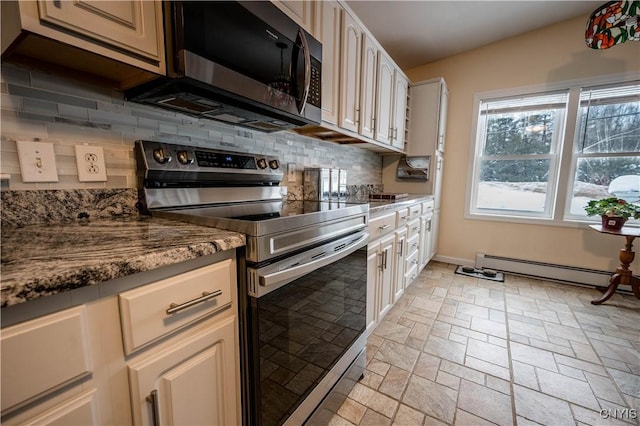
[262, 163]
[274, 164]
[184, 158]
[161, 156]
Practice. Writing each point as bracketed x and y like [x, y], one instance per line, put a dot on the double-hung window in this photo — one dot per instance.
[544, 156]
[606, 155]
[517, 155]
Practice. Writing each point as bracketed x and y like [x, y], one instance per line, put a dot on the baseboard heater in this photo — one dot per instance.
[549, 271]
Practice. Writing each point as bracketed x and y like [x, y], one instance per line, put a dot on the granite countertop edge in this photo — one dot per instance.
[45, 260]
[40, 260]
[380, 206]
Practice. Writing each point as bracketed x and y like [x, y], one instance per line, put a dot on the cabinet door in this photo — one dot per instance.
[399, 262]
[425, 241]
[373, 268]
[299, 11]
[437, 179]
[442, 116]
[384, 100]
[327, 31]
[399, 116]
[368, 87]
[424, 115]
[350, 81]
[386, 275]
[435, 225]
[125, 25]
[194, 382]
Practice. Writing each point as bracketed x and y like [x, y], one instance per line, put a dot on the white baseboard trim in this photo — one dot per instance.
[454, 260]
[544, 270]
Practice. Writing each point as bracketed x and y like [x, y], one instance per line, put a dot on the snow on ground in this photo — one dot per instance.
[530, 196]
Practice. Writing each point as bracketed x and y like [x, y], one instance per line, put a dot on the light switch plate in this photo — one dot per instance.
[37, 161]
[90, 161]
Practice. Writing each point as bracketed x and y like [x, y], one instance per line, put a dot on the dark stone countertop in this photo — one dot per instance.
[47, 259]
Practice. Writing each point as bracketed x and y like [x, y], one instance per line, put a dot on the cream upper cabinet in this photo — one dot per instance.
[119, 41]
[368, 86]
[299, 11]
[126, 25]
[399, 114]
[350, 77]
[384, 99]
[442, 116]
[427, 117]
[327, 30]
[391, 103]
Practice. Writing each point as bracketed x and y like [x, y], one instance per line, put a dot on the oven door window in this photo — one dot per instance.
[304, 328]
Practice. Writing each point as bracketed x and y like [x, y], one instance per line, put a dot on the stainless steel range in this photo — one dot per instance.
[302, 276]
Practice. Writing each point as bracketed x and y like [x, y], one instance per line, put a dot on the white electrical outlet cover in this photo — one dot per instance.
[90, 162]
[37, 161]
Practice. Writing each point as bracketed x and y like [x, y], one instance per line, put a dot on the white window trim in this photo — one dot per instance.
[564, 176]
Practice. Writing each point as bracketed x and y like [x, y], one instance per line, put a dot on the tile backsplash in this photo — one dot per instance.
[46, 108]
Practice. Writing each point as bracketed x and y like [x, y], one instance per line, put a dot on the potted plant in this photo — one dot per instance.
[614, 211]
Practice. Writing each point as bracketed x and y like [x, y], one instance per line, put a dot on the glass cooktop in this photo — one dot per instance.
[265, 217]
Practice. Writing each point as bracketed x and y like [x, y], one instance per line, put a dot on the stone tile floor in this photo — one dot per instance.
[458, 350]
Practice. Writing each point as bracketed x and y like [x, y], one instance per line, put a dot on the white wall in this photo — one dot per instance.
[553, 54]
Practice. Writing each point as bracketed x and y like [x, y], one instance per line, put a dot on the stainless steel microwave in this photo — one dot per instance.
[242, 63]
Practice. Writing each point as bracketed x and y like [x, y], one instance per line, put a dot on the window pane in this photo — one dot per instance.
[519, 185]
[520, 133]
[610, 128]
[600, 177]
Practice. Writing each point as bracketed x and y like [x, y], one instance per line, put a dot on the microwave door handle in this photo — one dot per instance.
[290, 274]
[307, 70]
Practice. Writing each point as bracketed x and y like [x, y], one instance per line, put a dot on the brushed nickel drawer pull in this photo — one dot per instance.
[153, 400]
[384, 227]
[174, 307]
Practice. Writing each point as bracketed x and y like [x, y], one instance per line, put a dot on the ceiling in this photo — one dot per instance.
[418, 32]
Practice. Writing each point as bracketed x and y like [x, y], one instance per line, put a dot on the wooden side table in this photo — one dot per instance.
[622, 275]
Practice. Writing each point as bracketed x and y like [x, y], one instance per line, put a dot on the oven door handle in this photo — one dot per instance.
[297, 271]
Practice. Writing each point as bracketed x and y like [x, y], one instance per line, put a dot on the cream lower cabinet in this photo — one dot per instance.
[193, 382]
[50, 355]
[427, 228]
[189, 377]
[399, 262]
[163, 343]
[380, 262]
[380, 269]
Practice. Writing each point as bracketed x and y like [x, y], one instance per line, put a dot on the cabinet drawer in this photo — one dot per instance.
[411, 275]
[411, 260]
[402, 216]
[381, 225]
[412, 244]
[427, 206]
[413, 228]
[414, 211]
[151, 311]
[43, 354]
